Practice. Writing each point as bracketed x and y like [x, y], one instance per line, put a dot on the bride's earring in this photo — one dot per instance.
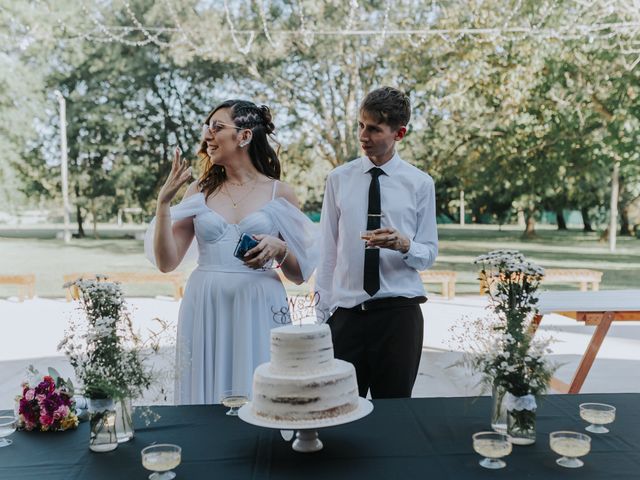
[244, 144]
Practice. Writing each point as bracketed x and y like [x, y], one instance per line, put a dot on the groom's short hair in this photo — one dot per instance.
[388, 105]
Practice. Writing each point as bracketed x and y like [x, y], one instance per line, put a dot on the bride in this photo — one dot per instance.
[229, 303]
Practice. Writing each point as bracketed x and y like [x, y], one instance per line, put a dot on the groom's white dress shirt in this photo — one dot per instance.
[407, 204]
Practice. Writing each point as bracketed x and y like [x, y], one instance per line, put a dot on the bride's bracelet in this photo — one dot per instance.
[286, 253]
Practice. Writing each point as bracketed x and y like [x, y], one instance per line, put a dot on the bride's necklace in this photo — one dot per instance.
[233, 202]
[239, 184]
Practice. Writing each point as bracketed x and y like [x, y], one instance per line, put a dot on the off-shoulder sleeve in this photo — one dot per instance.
[300, 233]
[188, 207]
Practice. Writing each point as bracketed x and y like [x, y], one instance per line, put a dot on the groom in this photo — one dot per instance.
[373, 289]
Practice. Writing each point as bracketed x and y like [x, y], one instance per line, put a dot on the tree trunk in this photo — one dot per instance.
[586, 220]
[613, 206]
[476, 216]
[94, 220]
[625, 228]
[530, 229]
[79, 218]
[562, 225]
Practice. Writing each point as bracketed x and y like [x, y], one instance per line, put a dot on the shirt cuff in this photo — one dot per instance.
[414, 256]
[411, 252]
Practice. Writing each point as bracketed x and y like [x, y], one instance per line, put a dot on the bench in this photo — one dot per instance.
[582, 276]
[174, 278]
[26, 284]
[446, 278]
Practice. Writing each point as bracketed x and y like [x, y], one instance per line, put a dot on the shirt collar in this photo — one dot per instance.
[388, 168]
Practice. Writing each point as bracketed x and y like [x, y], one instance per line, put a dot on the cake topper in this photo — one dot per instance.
[300, 308]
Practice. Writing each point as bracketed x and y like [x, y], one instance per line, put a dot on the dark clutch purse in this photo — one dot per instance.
[245, 244]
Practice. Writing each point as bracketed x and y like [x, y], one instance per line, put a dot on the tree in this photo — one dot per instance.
[127, 109]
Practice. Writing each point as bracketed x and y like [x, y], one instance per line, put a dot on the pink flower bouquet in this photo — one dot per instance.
[46, 408]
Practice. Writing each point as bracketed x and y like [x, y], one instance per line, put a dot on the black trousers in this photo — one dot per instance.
[384, 346]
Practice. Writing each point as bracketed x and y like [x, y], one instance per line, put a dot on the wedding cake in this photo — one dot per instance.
[303, 381]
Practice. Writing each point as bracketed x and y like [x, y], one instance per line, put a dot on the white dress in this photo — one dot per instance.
[228, 309]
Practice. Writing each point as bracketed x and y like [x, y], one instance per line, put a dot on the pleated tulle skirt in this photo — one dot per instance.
[224, 331]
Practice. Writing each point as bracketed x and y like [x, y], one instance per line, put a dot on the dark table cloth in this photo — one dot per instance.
[420, 438]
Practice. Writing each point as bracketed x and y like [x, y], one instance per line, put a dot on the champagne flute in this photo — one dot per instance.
[161, 459]
[598, 414]
[570, 445]
[234, 399]
[492, 446]
[8, 424]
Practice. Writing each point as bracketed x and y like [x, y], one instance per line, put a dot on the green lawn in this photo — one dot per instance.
[551, 249]
[37, 251]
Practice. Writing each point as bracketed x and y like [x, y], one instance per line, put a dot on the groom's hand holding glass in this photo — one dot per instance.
[389, 238]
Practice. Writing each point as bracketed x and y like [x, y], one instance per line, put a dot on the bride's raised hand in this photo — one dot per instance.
[180, 174]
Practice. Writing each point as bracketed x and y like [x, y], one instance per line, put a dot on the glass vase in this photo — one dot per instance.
[498, 409]
[102, 425]
[124, 420]
[521, 419]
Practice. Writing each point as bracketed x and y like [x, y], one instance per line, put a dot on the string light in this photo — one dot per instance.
[252, 34]
[385, 24]
[265, 28]
[587, 22]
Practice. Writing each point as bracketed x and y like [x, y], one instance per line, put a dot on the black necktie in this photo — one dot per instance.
[372, 255]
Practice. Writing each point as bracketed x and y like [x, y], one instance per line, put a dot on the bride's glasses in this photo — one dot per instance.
[216, 126]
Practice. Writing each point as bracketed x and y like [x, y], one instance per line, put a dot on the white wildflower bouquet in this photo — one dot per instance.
[514, 360]
[106, 353]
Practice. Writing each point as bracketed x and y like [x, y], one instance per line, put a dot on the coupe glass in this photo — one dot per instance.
[161, 459]
[234, 399]
[492, 446]
[570, 445]
[598, 414]
[8, 425]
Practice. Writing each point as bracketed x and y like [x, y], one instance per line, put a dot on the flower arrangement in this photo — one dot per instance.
[511, 358]
[516, 360]
[107, 355]
[48, 406]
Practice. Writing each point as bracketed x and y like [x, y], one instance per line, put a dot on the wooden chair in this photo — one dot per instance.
[174, 278]
[446, 278]
[26, 284]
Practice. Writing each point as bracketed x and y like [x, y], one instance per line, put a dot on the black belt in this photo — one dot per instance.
[388, 302]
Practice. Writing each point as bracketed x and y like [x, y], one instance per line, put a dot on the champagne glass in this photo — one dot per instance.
[234, 399]
[492, 446]
[367, 235]
[570, 445]
[598, 414]
[161, 459]
[8, 425]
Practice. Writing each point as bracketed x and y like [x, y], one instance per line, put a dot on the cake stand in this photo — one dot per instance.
[306, 431]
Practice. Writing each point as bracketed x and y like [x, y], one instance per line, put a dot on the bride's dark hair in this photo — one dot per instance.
[244, 114]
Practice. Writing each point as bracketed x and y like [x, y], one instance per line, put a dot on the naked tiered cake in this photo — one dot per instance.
[303, 381]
